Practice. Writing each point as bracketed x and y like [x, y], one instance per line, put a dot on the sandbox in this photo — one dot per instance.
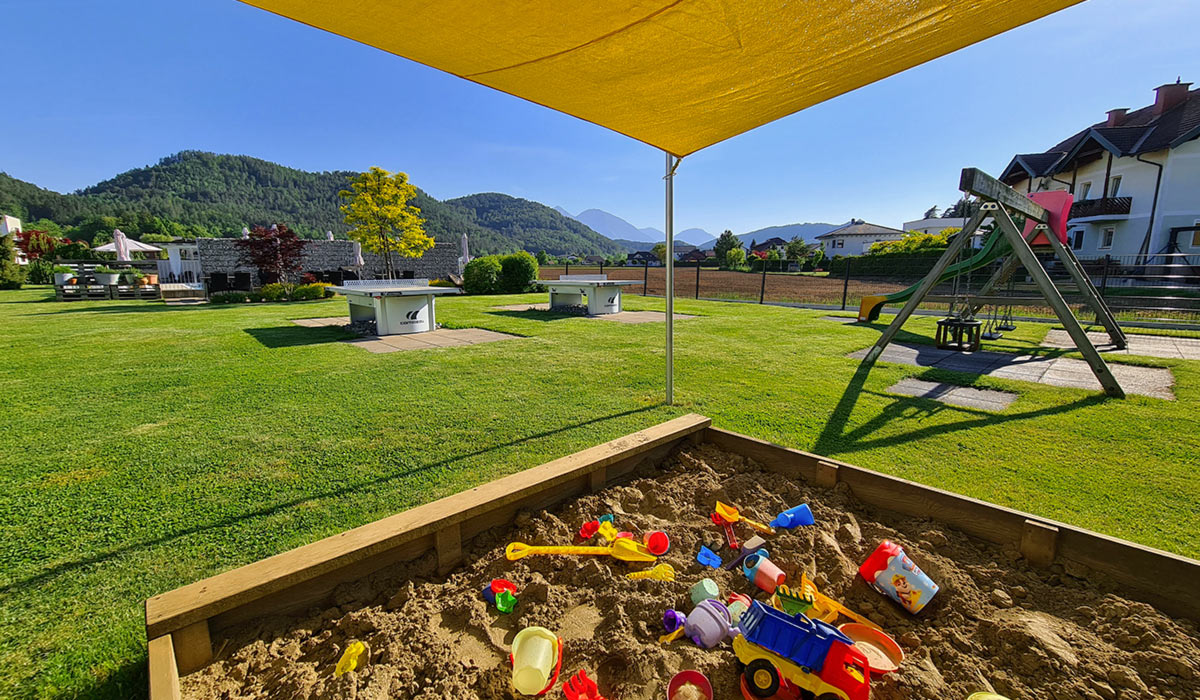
[1028, 607]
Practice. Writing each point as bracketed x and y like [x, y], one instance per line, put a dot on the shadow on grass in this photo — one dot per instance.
[534, 314]
[293, 336]
[835, 439]
[99, 558]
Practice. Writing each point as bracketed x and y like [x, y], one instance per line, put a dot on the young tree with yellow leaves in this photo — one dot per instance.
[383, 221]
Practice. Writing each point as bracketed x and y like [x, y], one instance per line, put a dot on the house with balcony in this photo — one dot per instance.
[856, 238]
[1135, 177]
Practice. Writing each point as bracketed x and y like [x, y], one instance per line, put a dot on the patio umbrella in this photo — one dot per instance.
[121, 243]
[245, 233]
[466, 257]
[358, 258]
[679, 75]
[329, 235]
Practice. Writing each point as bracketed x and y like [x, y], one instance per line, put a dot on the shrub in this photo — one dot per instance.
[442, 283]
[228, 298]
[518, 272]
[308, 292]
[132, 276]
[482, 275]
[106, 270]
[74, 251]
[11, 274]
[41, 271]
[326, 292]
[274, 292]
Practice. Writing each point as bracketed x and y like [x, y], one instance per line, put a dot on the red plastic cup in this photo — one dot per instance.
[657, 542]
[624, 535]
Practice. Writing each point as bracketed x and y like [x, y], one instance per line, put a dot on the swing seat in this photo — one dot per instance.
[1006, 327]
[992, 335]
[958, 334]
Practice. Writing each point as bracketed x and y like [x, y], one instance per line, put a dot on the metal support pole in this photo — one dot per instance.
[846, 284]
[602, 268]
[568, 270]
[645, 276]
[672, 163]
[697, 280]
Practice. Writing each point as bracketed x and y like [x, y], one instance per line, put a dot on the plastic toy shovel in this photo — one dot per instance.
[624, 549]
[731, 514]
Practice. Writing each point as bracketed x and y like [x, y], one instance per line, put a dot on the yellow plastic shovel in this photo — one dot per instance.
[828, 607]
[731, 514]
[624, 549]
[662, 572]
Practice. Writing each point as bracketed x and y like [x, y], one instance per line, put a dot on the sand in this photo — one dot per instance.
[996, 625]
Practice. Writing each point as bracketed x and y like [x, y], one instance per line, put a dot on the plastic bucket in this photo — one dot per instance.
[762, 572]
[534, 655]
[657, 542]
[890, 571]
[689, 677]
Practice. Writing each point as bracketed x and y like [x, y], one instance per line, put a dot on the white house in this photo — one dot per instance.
[856, 238]
[933, 225]
[1135, 177]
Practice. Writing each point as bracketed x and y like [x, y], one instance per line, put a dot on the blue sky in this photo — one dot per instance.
[95, 88]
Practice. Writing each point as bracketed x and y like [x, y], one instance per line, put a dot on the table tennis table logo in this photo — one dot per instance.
[413, 315]
[612, 300]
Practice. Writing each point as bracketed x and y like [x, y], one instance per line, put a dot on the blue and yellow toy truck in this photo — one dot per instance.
[808, 654]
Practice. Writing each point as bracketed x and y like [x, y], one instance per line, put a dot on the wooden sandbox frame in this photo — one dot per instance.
[180, 623]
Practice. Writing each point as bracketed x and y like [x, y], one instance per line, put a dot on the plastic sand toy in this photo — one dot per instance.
[763, 572]
[709, 624]
[792, 601]
[703, 590]
[708, 558]
[657, 542]
[892, 573]
[681, 685]
[589, 529]
[536, 659]
[502, 593]
[623, 549]
[350, 659]
[827, 609]
[608, 531]
[731, 514]
[749, 547]
[661, 572]
[727, 525]
[580, 687]
[883, 654]
[673, 621]
[794, 517]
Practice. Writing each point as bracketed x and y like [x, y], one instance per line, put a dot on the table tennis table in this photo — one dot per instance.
[603, 294]
[397, 307]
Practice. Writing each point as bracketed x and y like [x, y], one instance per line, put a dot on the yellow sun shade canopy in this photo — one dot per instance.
[678, 75]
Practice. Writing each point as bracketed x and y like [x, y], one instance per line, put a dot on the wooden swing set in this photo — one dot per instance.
[1045, 226]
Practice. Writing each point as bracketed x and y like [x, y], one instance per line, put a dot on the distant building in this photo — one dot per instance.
[221, 266]
[11, 225]
[934, 225]
[856, 238]
[642, 257]
[696, 255]
[1135, 177]
[773, 243]
[594, 260]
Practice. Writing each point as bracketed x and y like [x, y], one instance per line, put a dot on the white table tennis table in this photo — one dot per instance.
[397, 307]
[603, 294]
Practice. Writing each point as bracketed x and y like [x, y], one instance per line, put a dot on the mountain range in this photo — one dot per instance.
[200, 193]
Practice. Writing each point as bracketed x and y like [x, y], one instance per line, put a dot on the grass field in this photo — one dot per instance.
[145, 447]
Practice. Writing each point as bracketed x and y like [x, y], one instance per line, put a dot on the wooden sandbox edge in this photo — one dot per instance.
[1163, 579]
[178, 622]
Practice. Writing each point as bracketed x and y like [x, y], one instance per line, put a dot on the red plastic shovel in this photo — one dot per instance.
[729, 536]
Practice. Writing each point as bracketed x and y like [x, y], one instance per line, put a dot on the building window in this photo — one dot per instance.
[1077, 239]
[1106, 237]
[1114, 185]
[1085, 188]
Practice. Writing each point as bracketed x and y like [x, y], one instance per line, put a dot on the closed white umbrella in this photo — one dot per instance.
[121, 244]
[358, 258]
[466, 257]
[329, 235]
[245, 233]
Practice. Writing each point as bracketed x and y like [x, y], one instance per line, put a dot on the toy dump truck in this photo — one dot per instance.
[811, 655]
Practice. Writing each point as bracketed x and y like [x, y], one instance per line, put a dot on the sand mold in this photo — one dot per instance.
[997, 624]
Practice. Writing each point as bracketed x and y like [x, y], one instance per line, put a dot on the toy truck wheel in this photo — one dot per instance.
[762, 677]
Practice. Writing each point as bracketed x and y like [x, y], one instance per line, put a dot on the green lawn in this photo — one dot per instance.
[145, 447]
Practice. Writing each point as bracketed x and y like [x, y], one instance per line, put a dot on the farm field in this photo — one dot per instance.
[147, 446]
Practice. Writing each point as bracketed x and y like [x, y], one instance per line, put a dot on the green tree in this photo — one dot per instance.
[735, 258]
[46, 225]
[482, 275]
[11, 274]
[543, 258]
[383, 221]
[796, 248]
[914, 241]
[725, 243]
[773, 255]
[517, 272]
[660, 252]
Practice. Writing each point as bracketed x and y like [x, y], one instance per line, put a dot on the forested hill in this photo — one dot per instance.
[219, 194]
[533, 226]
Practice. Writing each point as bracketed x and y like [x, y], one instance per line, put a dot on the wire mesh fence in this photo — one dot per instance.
[1161, 291]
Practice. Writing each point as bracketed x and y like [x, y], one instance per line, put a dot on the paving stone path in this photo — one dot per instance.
[1145, 345]
[965, 396]
[1060, 371]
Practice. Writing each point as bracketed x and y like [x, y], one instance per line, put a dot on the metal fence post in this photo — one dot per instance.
[568, 270]
[602, 268]
[697, 280]
[645, 276]
[1104, 275]
[762, 290]
[846, 284]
